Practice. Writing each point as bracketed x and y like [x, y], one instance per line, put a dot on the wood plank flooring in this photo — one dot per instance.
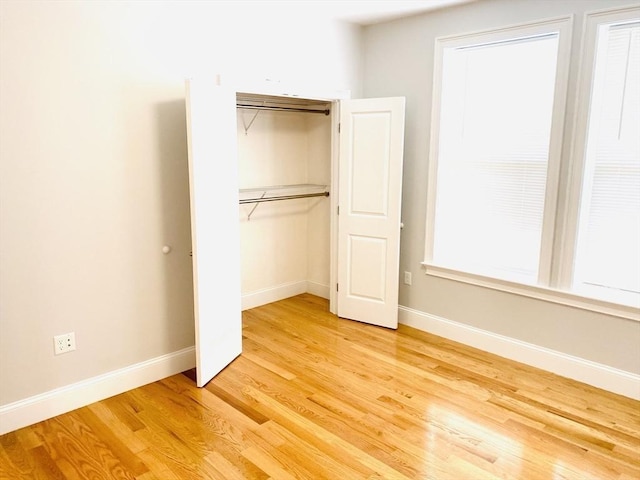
[316, 397]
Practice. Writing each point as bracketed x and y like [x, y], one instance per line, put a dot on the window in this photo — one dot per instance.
[497, 125]
[494, 216]
[607, 257]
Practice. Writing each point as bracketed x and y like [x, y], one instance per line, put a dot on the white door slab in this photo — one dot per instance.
[370, 191]
[213, 178]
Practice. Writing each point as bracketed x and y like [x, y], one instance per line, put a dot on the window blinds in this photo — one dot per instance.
[493, 150]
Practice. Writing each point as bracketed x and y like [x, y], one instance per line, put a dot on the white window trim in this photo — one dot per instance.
[559, 24]
[581, 114]
[540, 293]
[562, 25]
[558, 275]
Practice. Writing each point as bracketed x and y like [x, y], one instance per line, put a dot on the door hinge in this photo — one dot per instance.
[339, 124]
[338, 210]
[337, 287]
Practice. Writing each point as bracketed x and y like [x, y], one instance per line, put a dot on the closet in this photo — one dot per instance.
[284, 179]
[291, 192]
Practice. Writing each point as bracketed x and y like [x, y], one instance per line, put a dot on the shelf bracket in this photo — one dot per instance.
[247, 127]
[256, 205]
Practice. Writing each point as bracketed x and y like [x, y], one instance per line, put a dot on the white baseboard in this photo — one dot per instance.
[280, 292]
[585, 371]
[272, 294]
[318, 290]
[61, 400]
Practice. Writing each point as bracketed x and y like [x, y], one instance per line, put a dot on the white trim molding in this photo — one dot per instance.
[538, 292]
[585, 371]
[272, 294]
[70, 397]
[318, 290]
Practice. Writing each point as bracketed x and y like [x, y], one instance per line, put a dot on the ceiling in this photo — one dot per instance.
[368, 12]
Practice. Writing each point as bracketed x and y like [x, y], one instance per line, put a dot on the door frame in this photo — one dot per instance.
[334, 203]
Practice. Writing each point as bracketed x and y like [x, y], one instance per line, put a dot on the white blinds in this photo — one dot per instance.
[607, 263]
[493, 149]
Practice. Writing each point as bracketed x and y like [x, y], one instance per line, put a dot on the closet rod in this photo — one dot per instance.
[284, 109]
[283, 197]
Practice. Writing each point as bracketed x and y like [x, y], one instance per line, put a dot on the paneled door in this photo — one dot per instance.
[213, 181]
[371, 154]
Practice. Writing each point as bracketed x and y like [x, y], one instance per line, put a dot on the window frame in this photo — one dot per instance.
[592, 23]
[559, 228]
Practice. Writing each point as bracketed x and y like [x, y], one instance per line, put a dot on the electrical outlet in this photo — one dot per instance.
[407, 278]
[64, 343]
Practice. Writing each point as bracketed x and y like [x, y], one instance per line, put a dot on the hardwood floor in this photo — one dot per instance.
[316, 397]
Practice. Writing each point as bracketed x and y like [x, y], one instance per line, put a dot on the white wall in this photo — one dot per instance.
[398, 60]
[93, 168]
[319, 220]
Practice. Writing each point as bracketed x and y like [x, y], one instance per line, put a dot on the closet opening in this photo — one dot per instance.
[285, 176]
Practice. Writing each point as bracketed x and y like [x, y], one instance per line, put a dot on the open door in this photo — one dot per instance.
[213, 182]
[371, 153]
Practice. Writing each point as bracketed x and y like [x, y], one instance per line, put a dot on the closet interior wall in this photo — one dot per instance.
[285, 245]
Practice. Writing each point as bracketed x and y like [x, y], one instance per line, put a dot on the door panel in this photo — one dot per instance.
[370, 168]
[213, 182]
[367, 256]
[371, 152]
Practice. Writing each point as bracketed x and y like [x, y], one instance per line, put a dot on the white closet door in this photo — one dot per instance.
[371, 152]
[213, 178]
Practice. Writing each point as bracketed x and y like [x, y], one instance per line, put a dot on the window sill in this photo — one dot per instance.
[539, 293]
